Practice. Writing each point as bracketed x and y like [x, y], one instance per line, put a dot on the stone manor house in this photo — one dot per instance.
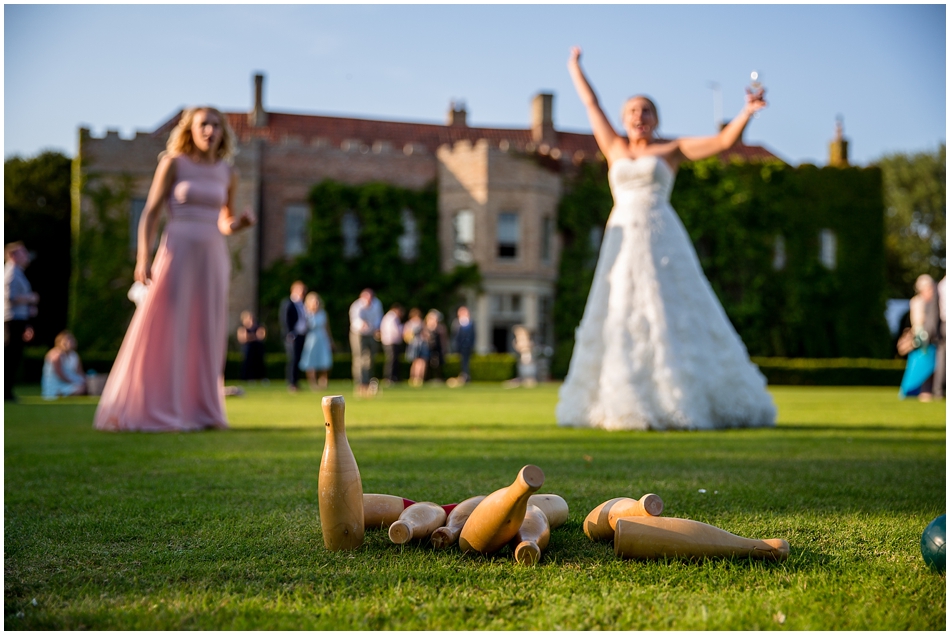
[498, 191]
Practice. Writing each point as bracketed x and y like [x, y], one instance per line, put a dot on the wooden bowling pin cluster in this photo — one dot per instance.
[638, 532]
[513, 516]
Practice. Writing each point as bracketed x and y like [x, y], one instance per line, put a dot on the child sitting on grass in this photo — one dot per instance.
[62, 370]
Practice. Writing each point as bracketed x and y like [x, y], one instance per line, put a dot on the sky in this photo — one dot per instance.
[131, 67]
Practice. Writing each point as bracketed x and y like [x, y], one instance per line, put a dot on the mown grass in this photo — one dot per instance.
[220, 530]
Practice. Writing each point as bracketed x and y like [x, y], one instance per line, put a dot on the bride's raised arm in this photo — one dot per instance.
[696, 148]
[610, 143]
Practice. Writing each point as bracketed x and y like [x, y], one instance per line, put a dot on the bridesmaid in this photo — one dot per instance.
[169, 373]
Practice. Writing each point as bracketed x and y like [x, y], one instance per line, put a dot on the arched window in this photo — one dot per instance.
[350, 226]
[296, 229]
[409, 240]
[509, 235]
[828, 254]
[779, 257]
[463, 227]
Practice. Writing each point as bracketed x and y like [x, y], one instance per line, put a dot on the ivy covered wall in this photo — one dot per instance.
[103, 262]
[381, 262]
[734, 214]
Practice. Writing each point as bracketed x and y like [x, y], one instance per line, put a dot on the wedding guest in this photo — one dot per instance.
[940, 341]
[19, 305]
[251, 336]
[293, 326]
[62, 370]
[417, 347]
[316, 359]
[437, 338]
[169, 373]
[918, 374]
[463, 331]
[366, 313]
[390, 335]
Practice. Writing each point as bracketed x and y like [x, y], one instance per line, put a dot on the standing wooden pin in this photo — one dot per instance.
[650, 538]
[532, 538]
[496, 520]
[340, 487]
[417, 521]
[601, 521]
[447, 536]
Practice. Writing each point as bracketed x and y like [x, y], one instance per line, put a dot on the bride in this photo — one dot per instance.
[655, 350]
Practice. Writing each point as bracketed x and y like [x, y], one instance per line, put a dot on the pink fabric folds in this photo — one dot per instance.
[169, 373]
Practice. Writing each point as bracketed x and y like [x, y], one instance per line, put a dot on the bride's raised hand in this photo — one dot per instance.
[575, 56]
[755, 101]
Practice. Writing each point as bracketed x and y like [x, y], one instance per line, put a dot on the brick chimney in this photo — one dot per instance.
[838, 149]
[457, 114]
[542, 119]
[258, 117]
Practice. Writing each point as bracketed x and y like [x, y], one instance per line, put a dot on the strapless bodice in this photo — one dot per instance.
[647, 176]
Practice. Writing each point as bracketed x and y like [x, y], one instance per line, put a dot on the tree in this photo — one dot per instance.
[36, 210]
[915, 199]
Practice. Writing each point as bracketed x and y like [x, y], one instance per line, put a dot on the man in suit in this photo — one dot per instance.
[293, 326]
[463, 331]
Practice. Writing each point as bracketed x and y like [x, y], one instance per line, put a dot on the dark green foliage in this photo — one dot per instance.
[915, 196]
[36, 208]
[103, 264]
[733, 214]
[339, 280]
[585, 206]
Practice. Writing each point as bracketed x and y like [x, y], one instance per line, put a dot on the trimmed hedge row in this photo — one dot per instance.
[492, 367]
[780, 371]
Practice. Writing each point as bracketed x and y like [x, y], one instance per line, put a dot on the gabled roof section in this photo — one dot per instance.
[334, 131]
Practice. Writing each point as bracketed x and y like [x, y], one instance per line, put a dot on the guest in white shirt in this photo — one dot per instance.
[390, 334]
[19, 305]
[366, 313]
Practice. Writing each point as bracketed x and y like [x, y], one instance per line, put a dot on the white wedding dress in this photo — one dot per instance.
[655, 350]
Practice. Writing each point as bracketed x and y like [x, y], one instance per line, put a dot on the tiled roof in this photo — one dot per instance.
[309, 129]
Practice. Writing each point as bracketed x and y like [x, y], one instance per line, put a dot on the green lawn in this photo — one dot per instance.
[220, 530]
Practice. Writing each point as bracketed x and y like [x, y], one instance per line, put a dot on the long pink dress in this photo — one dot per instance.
[169, 373]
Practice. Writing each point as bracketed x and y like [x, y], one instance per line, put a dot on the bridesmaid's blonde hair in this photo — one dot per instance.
[180, 140]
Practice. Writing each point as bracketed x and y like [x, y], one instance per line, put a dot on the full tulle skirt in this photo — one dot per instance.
[655, 349]
[169, 373]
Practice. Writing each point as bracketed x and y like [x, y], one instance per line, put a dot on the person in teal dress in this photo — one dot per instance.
[316, 360]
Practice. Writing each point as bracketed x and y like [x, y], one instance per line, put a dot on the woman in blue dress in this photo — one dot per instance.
[918, 375]
[317, 356]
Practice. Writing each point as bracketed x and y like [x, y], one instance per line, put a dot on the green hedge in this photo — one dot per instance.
[733, 214]
[779, 371]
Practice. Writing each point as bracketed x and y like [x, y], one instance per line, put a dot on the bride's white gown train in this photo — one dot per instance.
[655, 350]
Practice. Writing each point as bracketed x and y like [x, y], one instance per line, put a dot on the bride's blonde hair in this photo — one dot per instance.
[180, 140]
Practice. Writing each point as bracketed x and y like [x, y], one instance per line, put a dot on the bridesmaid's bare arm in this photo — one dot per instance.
[227, 224]
[148, 223]
[609, 142]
